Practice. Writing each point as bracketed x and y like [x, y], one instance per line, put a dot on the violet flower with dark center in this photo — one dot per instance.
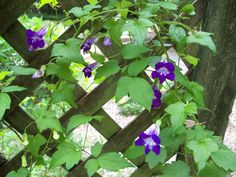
[151, 141]
[35, 39]
[156, 101]
[86, 46]
[88, 70]
[107, 41]
[37, 74]
[164, 70]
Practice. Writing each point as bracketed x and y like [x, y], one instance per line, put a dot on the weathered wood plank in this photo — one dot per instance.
[11, 10]
[2, 161]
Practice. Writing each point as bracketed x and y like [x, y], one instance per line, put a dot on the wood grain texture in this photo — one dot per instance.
[10, 10]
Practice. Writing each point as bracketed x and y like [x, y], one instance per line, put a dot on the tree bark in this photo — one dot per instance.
[217, 73]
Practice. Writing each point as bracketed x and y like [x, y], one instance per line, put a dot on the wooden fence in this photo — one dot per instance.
[118, 139]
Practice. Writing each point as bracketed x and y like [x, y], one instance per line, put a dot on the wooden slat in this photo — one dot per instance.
[2, 161]
[10, 10]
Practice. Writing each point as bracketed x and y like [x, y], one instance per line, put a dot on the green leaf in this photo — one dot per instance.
[131, 51]
[138, 29]
[96, 149]
[192, 60]
[13, 88]
[134, 152]
[77, 12]
[152, 159]
[22, 172]
[225, 159]
[191, 108]
[176, 169]
[48, 123]
[113, 161]
[170, 140]
[198, 94]
[211, 170]
[61, 70]
[115, 29]
[136, 67]
[168, 5]
[92, 166]
[77, 120]
[178, 115]
[5, 102]
[136, 87]
[92, 2]
[98, 58]
[188, 9]
[3, 74]
[202, 38]
[19, 70]
[44, 2]
[35, 142]
[109, 68]
[202, 150]
[66, 154]
[65, 93]
[68, 52]
[178, 35]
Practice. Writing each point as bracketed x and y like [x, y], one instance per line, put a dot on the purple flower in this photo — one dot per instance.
[88, 70]
[151, 141]
[86, 46]
[164, 70]
[107, 41]
[37, 74]
[156, 101]
[35, 39]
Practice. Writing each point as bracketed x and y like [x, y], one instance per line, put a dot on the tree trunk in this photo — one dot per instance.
[217, 73]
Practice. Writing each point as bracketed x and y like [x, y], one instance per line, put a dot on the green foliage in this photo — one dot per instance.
[138, 66]
[13, 88]
[135, 87]
[48, 122]
[202, 38]
[225, 159]
[176, 169]
[79, 119]
[211, 170]
[202, 150]
[109, 68]
[35, 142]
[134, 152]
[5, 102]
[64, 93]
[96, 149]
[131, 51]
[113, 161]
[92, 166]
[67, 154]
[44, 2]
[152, 159]
[19, 70]
[22, 172]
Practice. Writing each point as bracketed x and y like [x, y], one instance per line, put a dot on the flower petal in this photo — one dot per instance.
[139, 142]
[156, 149]
[171, 76]
[159, 65]
[154, 74]
[162, 78]
[170, 66]
[143, 135]
[156, 139]
[147, 150]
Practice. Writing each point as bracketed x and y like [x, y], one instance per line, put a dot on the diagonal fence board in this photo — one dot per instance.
[10, 10]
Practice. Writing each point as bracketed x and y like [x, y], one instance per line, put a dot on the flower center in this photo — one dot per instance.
[35, 38]
[163, 70]
[149, 142]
